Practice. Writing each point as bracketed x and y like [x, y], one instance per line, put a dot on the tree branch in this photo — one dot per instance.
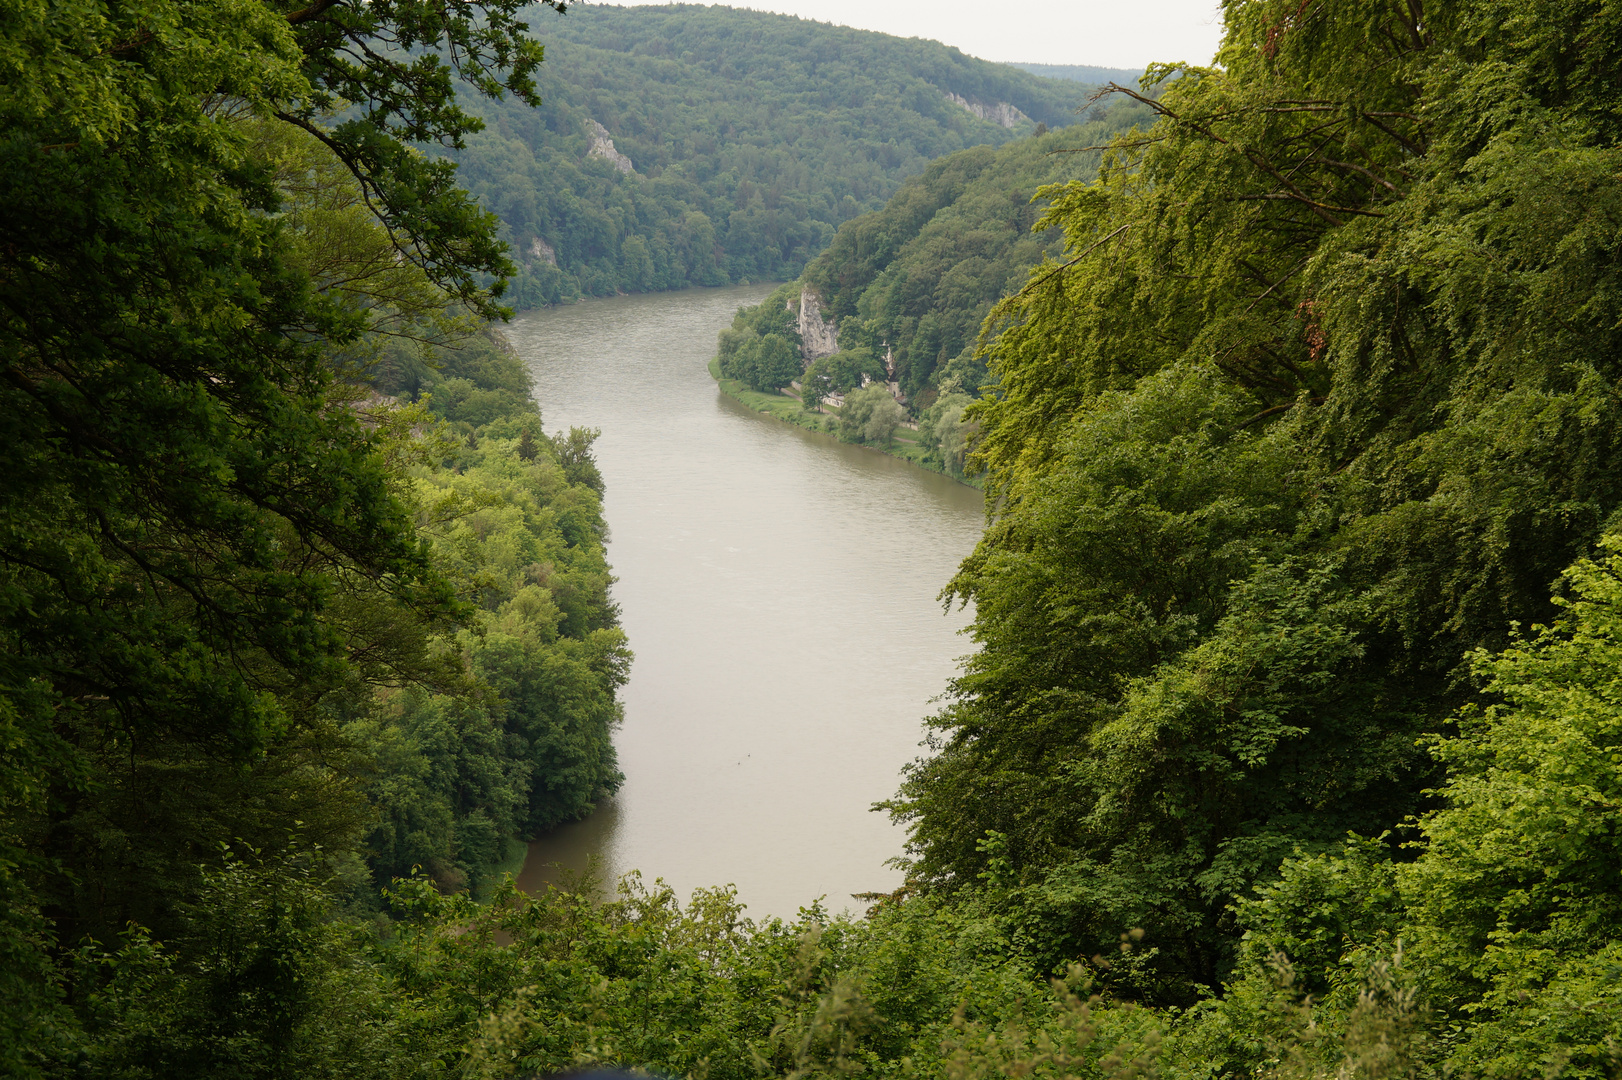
[1277, 409]
[1061, 269]
[314, 11]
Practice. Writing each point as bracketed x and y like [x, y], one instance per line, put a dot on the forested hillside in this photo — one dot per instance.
[1316, 410]
[1290, 743]
[908, 287]
[743, 140]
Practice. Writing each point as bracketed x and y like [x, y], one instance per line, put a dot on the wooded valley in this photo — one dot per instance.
[1289, 745]
[744, 138]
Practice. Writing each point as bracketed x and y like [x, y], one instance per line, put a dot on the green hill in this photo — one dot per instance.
[917, 278]
[733, 143]
[906, 288]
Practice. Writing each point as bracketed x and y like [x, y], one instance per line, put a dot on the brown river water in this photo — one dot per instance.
[779, 591]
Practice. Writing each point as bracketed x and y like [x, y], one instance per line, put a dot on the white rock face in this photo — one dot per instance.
[602, 146]
[818, 338]
[544, 252]
[1000, 113]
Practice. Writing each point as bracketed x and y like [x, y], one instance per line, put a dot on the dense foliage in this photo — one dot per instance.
[910, 285]
[238, 598]
[916, 279]
[762, 347]
[1505, 923]
[751, 137]
[457, 779]
[1290, 747]
[1321, 400]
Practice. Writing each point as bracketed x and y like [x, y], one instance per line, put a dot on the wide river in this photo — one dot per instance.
[779, 591]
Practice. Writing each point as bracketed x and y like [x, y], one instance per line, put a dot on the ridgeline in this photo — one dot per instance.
[688, 145]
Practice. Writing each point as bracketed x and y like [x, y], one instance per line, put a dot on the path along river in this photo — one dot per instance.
[779, 591]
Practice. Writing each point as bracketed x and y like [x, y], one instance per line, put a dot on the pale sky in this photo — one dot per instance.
[1109, 33]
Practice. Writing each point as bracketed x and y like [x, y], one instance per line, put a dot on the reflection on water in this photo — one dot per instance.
[566, 851]
[779, 590]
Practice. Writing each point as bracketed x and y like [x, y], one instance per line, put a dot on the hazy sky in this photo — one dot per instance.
[1110, 33]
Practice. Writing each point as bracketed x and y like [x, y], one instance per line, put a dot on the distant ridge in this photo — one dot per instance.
[685, 145]
[1083, 73]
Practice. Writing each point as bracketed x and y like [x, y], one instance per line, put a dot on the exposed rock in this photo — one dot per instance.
[1001, 113]
[889, 373]
[602, 146]
[818, 338]
[541, 250]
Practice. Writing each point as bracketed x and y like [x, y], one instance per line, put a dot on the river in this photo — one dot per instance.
[779, 591]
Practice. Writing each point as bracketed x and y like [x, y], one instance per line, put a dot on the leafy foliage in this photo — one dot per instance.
[212, 560]
[1512, 904]
[762, 346]
[870, 414]
[205, 547]
[457, 778]
[1315, 406]
[1316, 412]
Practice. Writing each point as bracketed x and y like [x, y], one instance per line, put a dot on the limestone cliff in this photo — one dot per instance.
[818, 337]
[602, 146]
[1001, 113]
[541, 251]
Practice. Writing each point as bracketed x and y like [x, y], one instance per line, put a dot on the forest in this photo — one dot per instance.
[750, 137]
[1291, 741]
[909, 286]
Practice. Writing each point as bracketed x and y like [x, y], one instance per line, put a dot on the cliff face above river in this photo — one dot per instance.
[602, 146]
[1000, 113]
[818, 335]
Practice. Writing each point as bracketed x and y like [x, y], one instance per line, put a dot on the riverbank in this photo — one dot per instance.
[785, 407]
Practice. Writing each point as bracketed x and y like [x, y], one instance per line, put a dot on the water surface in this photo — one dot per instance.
[779, 591]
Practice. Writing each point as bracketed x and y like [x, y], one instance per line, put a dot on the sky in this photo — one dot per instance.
[1108, 33]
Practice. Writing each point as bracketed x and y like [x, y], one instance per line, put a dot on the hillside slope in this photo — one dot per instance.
[900, 295]
[917, 278]
[690, 145]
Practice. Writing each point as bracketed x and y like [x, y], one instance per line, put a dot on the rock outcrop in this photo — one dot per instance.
[818, 337]
[541, 251]
[1001, 113]
[602, 146]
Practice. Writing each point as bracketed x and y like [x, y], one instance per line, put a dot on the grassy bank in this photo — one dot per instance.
[784, 407]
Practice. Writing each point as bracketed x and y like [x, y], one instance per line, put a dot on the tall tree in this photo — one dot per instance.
[200, 544]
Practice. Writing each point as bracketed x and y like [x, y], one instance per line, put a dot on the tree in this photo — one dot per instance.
[762, 346]
[945, 430]
[776, 363]
[1512, 907]
[871, 414]
[207, 548]
[841, 373]
[1318, 400]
